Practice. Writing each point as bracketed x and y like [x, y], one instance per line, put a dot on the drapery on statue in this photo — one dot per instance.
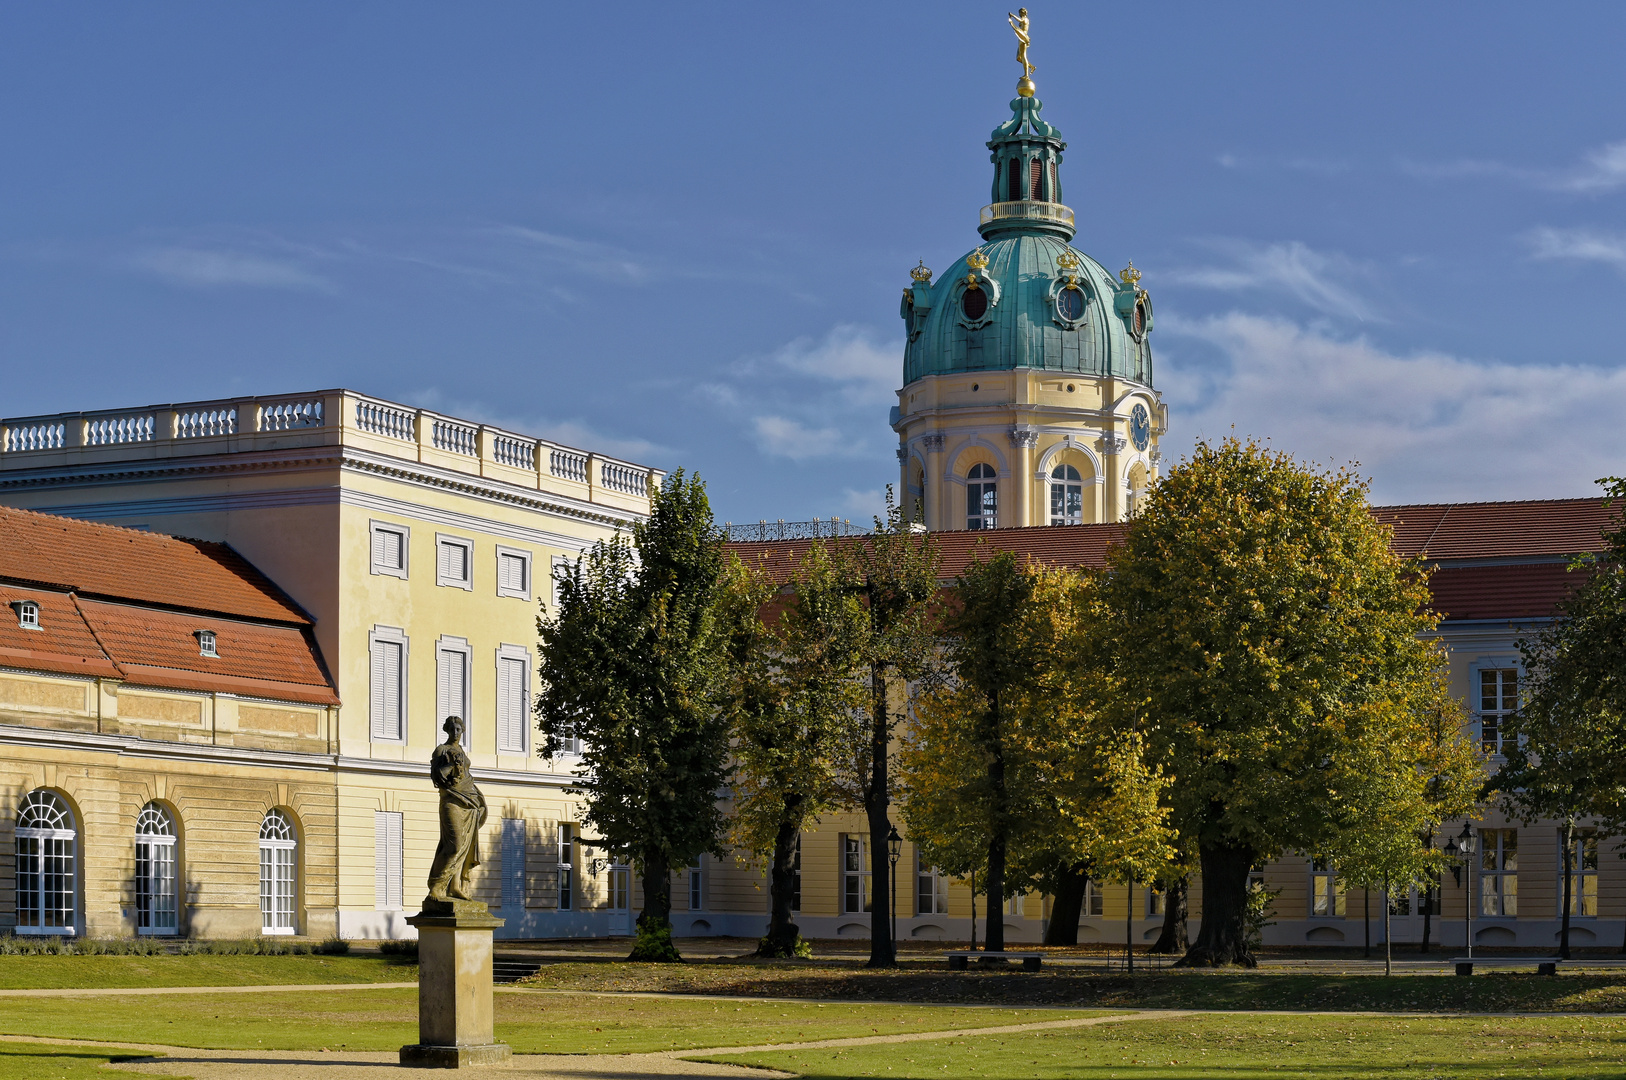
[1019, 23]
[462, 815]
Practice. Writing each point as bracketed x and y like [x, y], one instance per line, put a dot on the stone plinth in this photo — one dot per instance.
[454, 988]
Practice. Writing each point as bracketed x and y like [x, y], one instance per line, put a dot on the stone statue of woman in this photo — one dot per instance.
[462, 815]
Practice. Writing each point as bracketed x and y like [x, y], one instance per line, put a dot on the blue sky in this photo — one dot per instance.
[1390, 233]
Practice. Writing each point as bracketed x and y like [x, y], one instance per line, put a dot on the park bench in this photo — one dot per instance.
[958, 961]
[1545, 965]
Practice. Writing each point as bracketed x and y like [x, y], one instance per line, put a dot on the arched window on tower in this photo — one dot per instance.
[156, 911]
[47, 862]
[1066, 496]
[1055, 184]
[279, 850]
[1036, 180]
[917, 494]
[981, 498]
[1013, 183]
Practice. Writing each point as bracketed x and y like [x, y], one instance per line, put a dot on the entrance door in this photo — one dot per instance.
[620, 896]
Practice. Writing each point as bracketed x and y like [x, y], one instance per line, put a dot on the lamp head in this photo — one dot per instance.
[1465, 839]
[1451, 849]
[894, 843]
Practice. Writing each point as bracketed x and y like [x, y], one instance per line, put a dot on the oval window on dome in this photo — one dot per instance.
[1070, 303]
[1140, 319]
[974, 304]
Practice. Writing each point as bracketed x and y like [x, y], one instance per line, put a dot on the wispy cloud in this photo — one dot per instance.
[582, 256]
[848, 355]
[571, 432]
[1425, 426]
[1585, 245]
[1600, 170]
[1320, 280]
[784, 437]
[206, 268]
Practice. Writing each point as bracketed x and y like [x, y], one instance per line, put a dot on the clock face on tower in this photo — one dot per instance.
[1140, 427]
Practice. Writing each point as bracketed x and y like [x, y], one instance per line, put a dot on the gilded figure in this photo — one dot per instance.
[462, 815]
[1019, 23]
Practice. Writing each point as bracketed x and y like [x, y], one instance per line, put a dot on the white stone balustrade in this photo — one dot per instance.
[323, 418]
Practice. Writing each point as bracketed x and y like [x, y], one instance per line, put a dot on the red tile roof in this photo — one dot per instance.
[1518, 591]
[92, 559]
[63, 644]
[1498, 530]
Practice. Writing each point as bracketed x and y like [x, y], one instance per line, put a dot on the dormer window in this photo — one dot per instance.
[28, 614]
[206, 643]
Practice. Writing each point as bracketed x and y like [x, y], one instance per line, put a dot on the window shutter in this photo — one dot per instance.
[378, 548]
[511, 703]
[443, 556]
[387, 549]
[443, 685]
[387, 860]
[513, 862]
[385, 703]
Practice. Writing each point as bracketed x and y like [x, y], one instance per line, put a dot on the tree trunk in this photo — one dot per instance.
[1568, 836]
[782, 933]
[1068, 905]
[1173, 938]
[1388, 938]
[998, 838]
[876, 805]
[1223, 940]
[655, 920]
[974, 913]
[1428, 893]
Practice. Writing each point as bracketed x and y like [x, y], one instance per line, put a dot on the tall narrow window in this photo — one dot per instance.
[1583, 872]
[931, 890]
[1326, 890]
[1498, 696]
[387, 860]
[796, 871]
[47, 859]
[697, 884]
[452, 683]
[513, 698]
[855, 882]
[567, 867]
[1036, 180]
[1066, 496]
[387, 686]
[513, 862]
[279, 851]
[1095, 904]
[1055, 184]
[1013, 905]
[1156, 901]
[1499, 872]
[156, 911]
[1013, 185]
[981, 498]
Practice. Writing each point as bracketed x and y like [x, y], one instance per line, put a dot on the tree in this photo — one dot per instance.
[793, 697]
[1566, 746]
[893, 572]
[631, 665]
[1010, 771]
[1263, 632]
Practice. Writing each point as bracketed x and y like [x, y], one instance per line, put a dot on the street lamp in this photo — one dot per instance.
[1465, 847]
[894, 850]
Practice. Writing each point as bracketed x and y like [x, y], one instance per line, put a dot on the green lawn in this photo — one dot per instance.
[52, 972]
[32, 1061]
[529, 1022]
[1243, 1048]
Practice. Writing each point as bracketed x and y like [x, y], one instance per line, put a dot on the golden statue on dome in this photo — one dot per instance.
[1019, 24]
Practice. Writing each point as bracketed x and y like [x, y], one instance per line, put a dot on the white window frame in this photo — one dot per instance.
[1498, 880]
[157, 874]
[442, 580]
[929, 882]
[1583, 877]
[855, 875]
[1095, 902]
[986, 485]
[524, 592]
[387, 857]
[796, 870]
[28, 614]
[208, 644]
[381, 569]
[697, 884]
[513, 864]
[557, 565]
[395, 636]
[1499, 669]
[444, 706]
[272, 858]
[509, 654]
[45, 842]
[1327, 894]
[567, 866]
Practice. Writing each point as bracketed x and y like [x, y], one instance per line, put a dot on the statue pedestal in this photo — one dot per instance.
[454, 987]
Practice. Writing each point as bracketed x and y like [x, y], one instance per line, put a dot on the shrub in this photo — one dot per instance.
[399, 948]
[333, 947]
[655, 946]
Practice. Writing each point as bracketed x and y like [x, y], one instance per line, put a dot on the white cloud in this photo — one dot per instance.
[1586, 245]
[203, 268]
[583, 256]
[789, 438]
[1599, 170]
[1426, 426]
[574, 433]
[869, 371]
[1315, 278]
[1603, 169]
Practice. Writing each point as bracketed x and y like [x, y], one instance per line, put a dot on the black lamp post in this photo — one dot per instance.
[1463, 848]
[894, 850]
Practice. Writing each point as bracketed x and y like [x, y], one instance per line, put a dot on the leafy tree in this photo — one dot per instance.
[1266, 635]
[631, 665]
[1010, 770]
[1566, 746]
[793, 697]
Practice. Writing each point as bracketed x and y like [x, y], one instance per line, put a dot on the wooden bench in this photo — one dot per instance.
[959, 961]
[1545, 965]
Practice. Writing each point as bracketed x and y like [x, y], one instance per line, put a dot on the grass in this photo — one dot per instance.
[1497, 991]
[54, 972]
[1242, 1048]
[531, 1023]
[32, 1061]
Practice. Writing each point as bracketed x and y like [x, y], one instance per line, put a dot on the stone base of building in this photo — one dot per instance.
[455, 1057]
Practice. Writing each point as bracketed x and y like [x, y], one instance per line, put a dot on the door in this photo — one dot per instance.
[620, 897]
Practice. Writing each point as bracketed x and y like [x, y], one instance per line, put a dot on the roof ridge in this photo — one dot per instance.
[94, 636]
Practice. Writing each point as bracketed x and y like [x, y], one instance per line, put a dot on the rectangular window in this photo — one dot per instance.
[513, 862]
[855, 882]
[1326, 891]
[513, 698]
[454, 562]
[513, 573]
[697, 883]
[1013, 906]
[1094, 902]
[387, 860]
[796, 867]
[559, 568]
[1583, 872]
[1499, 872]
[1156, 902]
[452, 684]
[387, 686]
[567, 868]
[389, 549]
[931, 890]
[1498, 696]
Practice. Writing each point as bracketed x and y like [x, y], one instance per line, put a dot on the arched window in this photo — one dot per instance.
[1014, 179]
[279, 849]
[1055, 184]
[156, 908]
[47, 860]
[917, 493]
[981, 498]
[1066, 496]
[1036, 180]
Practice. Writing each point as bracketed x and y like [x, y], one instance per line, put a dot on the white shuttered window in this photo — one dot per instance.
[513, 698]
[513, 573]
[387, 860]
[387, 689]
[452, 683]
[389, 549]
[454, 559]
[513, 862]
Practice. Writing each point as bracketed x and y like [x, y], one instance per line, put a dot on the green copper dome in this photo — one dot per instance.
[1026, 298]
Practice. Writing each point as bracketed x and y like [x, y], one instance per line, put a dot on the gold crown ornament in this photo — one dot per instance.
[921, 273]
[1129, 275]
[1067, 260]
[977, 260]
